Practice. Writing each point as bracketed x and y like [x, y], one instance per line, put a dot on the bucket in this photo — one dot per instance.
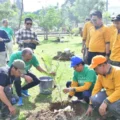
[46, 84]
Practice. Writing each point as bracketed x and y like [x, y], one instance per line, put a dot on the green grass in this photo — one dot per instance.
[37, 101]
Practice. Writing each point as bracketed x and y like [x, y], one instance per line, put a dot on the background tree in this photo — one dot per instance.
[48, 19]
[9, 11]
[21, 13]
[78, 10]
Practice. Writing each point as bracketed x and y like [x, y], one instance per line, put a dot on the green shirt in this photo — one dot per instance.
[9, 31]
[86, 75]
[18, 55]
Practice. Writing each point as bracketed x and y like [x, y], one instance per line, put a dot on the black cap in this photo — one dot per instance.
[117, 18]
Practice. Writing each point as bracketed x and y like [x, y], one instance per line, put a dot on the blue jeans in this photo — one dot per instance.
[113, 109]
[81, 95]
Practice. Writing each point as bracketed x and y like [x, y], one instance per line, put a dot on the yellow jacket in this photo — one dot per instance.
[111, 83]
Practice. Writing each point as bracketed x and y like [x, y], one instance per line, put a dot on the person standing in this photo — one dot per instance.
[85, 44]
[3, 39]
[115, 52]
[99, 37]
[113, 32]
[26, 37]
[10, 32]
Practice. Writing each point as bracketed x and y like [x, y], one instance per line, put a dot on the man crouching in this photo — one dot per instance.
[106, 93]
[7, 77]
[83, 80]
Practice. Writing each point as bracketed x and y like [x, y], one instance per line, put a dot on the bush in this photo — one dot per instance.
[75, 31]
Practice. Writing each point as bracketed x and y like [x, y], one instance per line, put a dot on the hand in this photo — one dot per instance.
[27, 41]
[12, 110]
[28, 79]
[102, 109]
[86, 57]
[107, 57]
[67, 90]
[35, 42]
[82, 50]
[53, 73]
[1, 39]
[89, 111]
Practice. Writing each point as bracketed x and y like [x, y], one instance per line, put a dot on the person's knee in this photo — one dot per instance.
[68, 84]
[98, 98]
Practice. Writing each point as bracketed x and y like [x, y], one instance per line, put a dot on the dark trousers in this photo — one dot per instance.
[18, 87]
[81, 95]
[113, 109]
[93, 54]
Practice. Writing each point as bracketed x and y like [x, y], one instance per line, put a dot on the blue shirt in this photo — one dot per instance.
[5, 38]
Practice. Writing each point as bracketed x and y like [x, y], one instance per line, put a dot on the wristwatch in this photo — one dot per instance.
[106, 101]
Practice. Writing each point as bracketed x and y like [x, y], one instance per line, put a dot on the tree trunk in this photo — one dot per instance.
[21, 12]
[46, 35]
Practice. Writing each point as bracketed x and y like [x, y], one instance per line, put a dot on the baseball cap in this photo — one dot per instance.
[75, 60]
[97, 60]
[20, 65]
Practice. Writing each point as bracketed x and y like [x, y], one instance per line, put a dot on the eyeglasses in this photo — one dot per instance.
[29, 23]
[94, 20]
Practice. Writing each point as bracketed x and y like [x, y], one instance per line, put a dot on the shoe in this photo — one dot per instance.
[20, 102]
[25, 93]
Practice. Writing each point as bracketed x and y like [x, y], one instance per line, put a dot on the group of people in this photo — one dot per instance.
[101, 51]
[16, 65]
[96, 78]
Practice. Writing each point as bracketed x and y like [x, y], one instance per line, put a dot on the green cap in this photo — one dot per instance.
[20, 65]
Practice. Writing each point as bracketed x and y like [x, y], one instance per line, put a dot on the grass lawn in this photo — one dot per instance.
[37, 101]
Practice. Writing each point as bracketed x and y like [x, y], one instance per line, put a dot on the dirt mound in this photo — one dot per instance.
[56, 112]
[63, 56]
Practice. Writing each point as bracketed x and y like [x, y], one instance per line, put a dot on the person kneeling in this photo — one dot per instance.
[83, 80]
[106, 93]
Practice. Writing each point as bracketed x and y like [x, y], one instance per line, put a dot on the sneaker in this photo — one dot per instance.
[20, 102]
[25, 93]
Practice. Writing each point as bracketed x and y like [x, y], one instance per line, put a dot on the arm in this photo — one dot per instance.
[12, 35]
[98, 86]
[3, 97]
[12, 58]
[107, 41]
[116, 94]
[5, 37]
[5, 100]
[41, 69]
[19, 38]
[73, 84]
[86, 86]
[84, 36]
[35, 41]
[107, 46]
